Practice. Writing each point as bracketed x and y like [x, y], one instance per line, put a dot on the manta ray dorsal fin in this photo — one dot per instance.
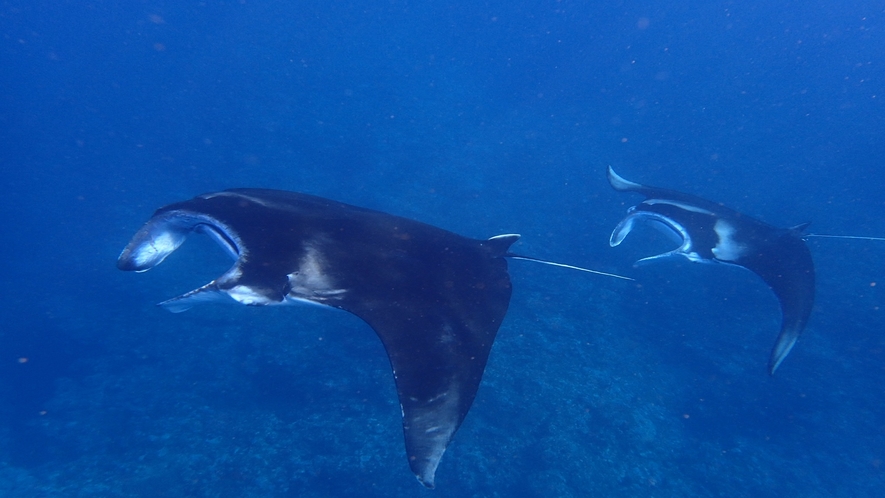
[500, 244]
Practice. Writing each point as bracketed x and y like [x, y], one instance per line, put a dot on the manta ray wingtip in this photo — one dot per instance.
[424, 468]
[781, 349]
[427, 482]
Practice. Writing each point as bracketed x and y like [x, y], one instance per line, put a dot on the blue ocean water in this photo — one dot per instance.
[481, 118]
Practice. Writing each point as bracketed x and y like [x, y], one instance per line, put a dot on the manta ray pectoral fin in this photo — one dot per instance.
[438, 339]
[785, 264]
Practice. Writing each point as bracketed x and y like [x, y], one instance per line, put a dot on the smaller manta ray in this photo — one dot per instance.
[435, 298]
[713, 233]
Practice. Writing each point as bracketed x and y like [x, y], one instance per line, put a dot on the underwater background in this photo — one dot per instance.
[481, 118]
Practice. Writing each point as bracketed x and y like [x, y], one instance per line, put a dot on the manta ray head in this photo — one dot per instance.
[166, 232]
[666, 225]
[272, 283]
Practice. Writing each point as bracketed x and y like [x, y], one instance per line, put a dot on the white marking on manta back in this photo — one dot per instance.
[310, 282]
[727, 249]
[680, 205]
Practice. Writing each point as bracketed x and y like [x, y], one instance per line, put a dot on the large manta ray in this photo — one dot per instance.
[435, 298]
[713, 233]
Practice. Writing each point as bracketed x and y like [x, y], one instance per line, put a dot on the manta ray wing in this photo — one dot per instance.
[438, 331]
[783, 261]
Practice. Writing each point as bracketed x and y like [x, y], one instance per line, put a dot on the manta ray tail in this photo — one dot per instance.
[563, 265]
[854, 237]
[500, 246]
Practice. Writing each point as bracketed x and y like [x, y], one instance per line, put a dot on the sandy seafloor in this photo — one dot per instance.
[482, 119]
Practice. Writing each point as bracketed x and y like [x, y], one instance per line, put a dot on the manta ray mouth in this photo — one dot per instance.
[164, 234]
[668, 226]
